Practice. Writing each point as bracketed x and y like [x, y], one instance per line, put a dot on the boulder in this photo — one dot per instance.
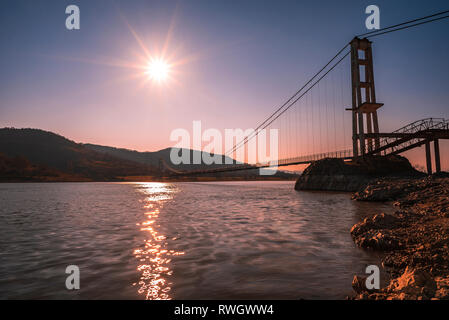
[375, 232]
[359, 284]
[413, 283]
[378, 241]
[374, 222]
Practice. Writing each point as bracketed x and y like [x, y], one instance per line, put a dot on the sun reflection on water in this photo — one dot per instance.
[155, 257]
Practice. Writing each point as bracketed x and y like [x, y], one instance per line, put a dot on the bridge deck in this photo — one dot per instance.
[344, 154]
[409, 137]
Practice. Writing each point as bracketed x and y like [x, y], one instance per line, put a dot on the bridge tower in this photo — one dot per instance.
[364, 105]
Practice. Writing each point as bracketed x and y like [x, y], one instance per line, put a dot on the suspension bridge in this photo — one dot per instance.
[324, 119]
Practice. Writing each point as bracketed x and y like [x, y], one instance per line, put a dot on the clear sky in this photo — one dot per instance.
[233, 63]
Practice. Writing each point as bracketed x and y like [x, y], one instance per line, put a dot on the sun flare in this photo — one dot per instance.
[158, 70]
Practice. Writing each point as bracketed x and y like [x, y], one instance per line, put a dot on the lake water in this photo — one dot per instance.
[214, 240]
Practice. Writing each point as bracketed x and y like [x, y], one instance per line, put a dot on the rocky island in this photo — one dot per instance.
[338, 175]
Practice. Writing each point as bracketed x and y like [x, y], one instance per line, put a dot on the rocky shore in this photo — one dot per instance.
[415, 239]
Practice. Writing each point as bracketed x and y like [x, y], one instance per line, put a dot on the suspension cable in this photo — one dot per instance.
[406, 25]
[286, 102]
[291, 101]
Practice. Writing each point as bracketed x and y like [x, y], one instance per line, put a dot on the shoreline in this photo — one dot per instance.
[414, 239]
[144, 180]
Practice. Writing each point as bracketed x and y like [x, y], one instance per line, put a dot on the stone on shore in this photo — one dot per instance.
[375, 233]
[414, 239]
[413, 284]
[359, 284]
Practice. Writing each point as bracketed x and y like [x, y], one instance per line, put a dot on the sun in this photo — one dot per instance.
[158, 70]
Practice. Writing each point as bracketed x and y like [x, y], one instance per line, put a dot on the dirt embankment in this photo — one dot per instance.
[415, 238]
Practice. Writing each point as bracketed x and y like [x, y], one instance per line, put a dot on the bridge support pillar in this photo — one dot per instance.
[428, 158]
[364, 105]
[436, 147]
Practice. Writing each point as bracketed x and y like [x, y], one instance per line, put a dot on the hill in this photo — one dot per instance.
[153, 159]
[38, 155]
[65, 158]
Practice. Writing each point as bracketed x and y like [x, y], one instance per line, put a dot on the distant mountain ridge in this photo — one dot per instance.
[152, 158]
[34, 154]
[44, 148]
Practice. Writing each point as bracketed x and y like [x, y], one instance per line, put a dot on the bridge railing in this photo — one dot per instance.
[343, 154]
[414, 127]
[388, 145]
